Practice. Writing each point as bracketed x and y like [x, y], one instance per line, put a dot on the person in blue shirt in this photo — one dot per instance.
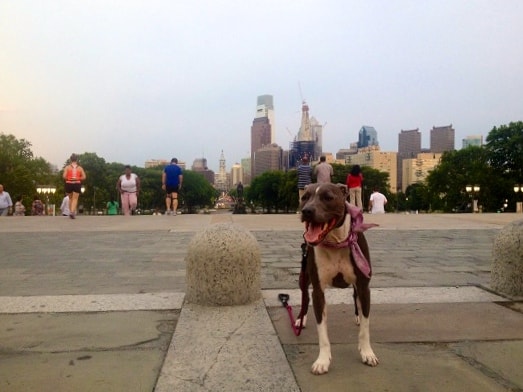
[304, 176]
[172, 178]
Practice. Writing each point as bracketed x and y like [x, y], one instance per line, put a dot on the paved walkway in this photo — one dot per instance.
[96, 304]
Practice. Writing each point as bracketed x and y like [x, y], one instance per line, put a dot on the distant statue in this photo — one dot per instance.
[239, 208]
[239, 190]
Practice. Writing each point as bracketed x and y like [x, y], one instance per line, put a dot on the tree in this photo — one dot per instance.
[20, 171]
[264, 190]
[340, 173]
[152, 195]
[417, 197]
[458, 169]
[505, 149]
[99, 187]
[288, 191]
[196, 191]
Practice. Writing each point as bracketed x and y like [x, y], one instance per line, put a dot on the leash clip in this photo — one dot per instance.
[284, 299]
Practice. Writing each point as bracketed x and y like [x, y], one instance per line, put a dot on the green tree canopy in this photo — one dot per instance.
[20, 171]
[196, 191]
[505, 149]
[264, 190]
[458, 169]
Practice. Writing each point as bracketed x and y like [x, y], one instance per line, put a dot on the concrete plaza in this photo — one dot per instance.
[97, 304]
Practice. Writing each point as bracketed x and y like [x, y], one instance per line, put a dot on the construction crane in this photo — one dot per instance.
[293, 138]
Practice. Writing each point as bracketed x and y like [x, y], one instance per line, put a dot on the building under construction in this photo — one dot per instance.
[307, 142]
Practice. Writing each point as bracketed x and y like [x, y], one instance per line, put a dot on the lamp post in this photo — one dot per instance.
[81, 206]
[47, 190]
[473, 190]
[519, 205]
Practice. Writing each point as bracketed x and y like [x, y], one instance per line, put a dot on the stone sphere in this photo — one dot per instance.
[223, 266]
[507, 265]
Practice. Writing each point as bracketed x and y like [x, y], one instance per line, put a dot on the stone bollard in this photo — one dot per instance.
[223, 266]
[507, 265]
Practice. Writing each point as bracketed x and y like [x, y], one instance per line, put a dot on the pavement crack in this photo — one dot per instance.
[488, 372]
[222, 346]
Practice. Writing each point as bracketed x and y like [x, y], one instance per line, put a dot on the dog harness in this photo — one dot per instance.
[356, 226]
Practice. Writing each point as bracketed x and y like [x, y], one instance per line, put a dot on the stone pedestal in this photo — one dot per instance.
[223, 266]
[507, 255]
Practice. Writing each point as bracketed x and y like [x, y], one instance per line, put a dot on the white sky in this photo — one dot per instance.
[134, 80]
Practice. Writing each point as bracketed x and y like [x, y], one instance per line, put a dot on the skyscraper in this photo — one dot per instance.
[268, 158]
[262, 133]
[472, 140]
[305, 143]
[409, 146]
[317, 132]
[265, 108]
[236, 174]
[305, 132]
[367, 137]
[442, 138]
[246, 169]
[260, 136]
[200, 166]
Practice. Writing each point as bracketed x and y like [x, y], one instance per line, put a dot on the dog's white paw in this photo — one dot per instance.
[321, 366]
[369, 358]
[297, 322]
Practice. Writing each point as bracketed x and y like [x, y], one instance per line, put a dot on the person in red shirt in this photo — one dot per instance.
[354, 183]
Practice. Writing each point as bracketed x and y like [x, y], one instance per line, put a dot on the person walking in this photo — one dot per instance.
[129, 187]
[19, 207]
[377, 202]
[323, 171]
[5, 202]
[304, 176]
[73, 175]
[64, 207]
[172, 178]
[354, 183]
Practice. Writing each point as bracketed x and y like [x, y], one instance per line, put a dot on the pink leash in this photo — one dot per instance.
[284, 298]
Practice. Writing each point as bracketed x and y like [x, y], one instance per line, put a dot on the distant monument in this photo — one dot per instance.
[239, 207]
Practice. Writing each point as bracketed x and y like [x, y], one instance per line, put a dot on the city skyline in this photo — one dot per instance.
[180, 79]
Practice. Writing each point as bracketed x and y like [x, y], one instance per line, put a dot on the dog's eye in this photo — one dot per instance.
[327, 197]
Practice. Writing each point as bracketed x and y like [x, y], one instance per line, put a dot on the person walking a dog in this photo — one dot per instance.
[377, 202]
[304, 176]
[172, 178]
[323, 171]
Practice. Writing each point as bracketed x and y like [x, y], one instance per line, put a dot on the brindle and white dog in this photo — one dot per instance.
[337, 255]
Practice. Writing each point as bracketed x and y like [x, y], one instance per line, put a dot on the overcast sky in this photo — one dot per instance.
[134, 80]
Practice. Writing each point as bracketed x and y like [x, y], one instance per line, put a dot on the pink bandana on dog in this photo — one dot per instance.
[356, 226]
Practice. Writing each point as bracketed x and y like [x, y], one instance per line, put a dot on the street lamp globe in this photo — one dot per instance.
[476, 188]
[468, 188]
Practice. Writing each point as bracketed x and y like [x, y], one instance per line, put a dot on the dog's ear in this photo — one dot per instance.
[343, 188]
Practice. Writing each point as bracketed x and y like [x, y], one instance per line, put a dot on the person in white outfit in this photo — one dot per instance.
[377, 202]
[65, 206]
[129, 186]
